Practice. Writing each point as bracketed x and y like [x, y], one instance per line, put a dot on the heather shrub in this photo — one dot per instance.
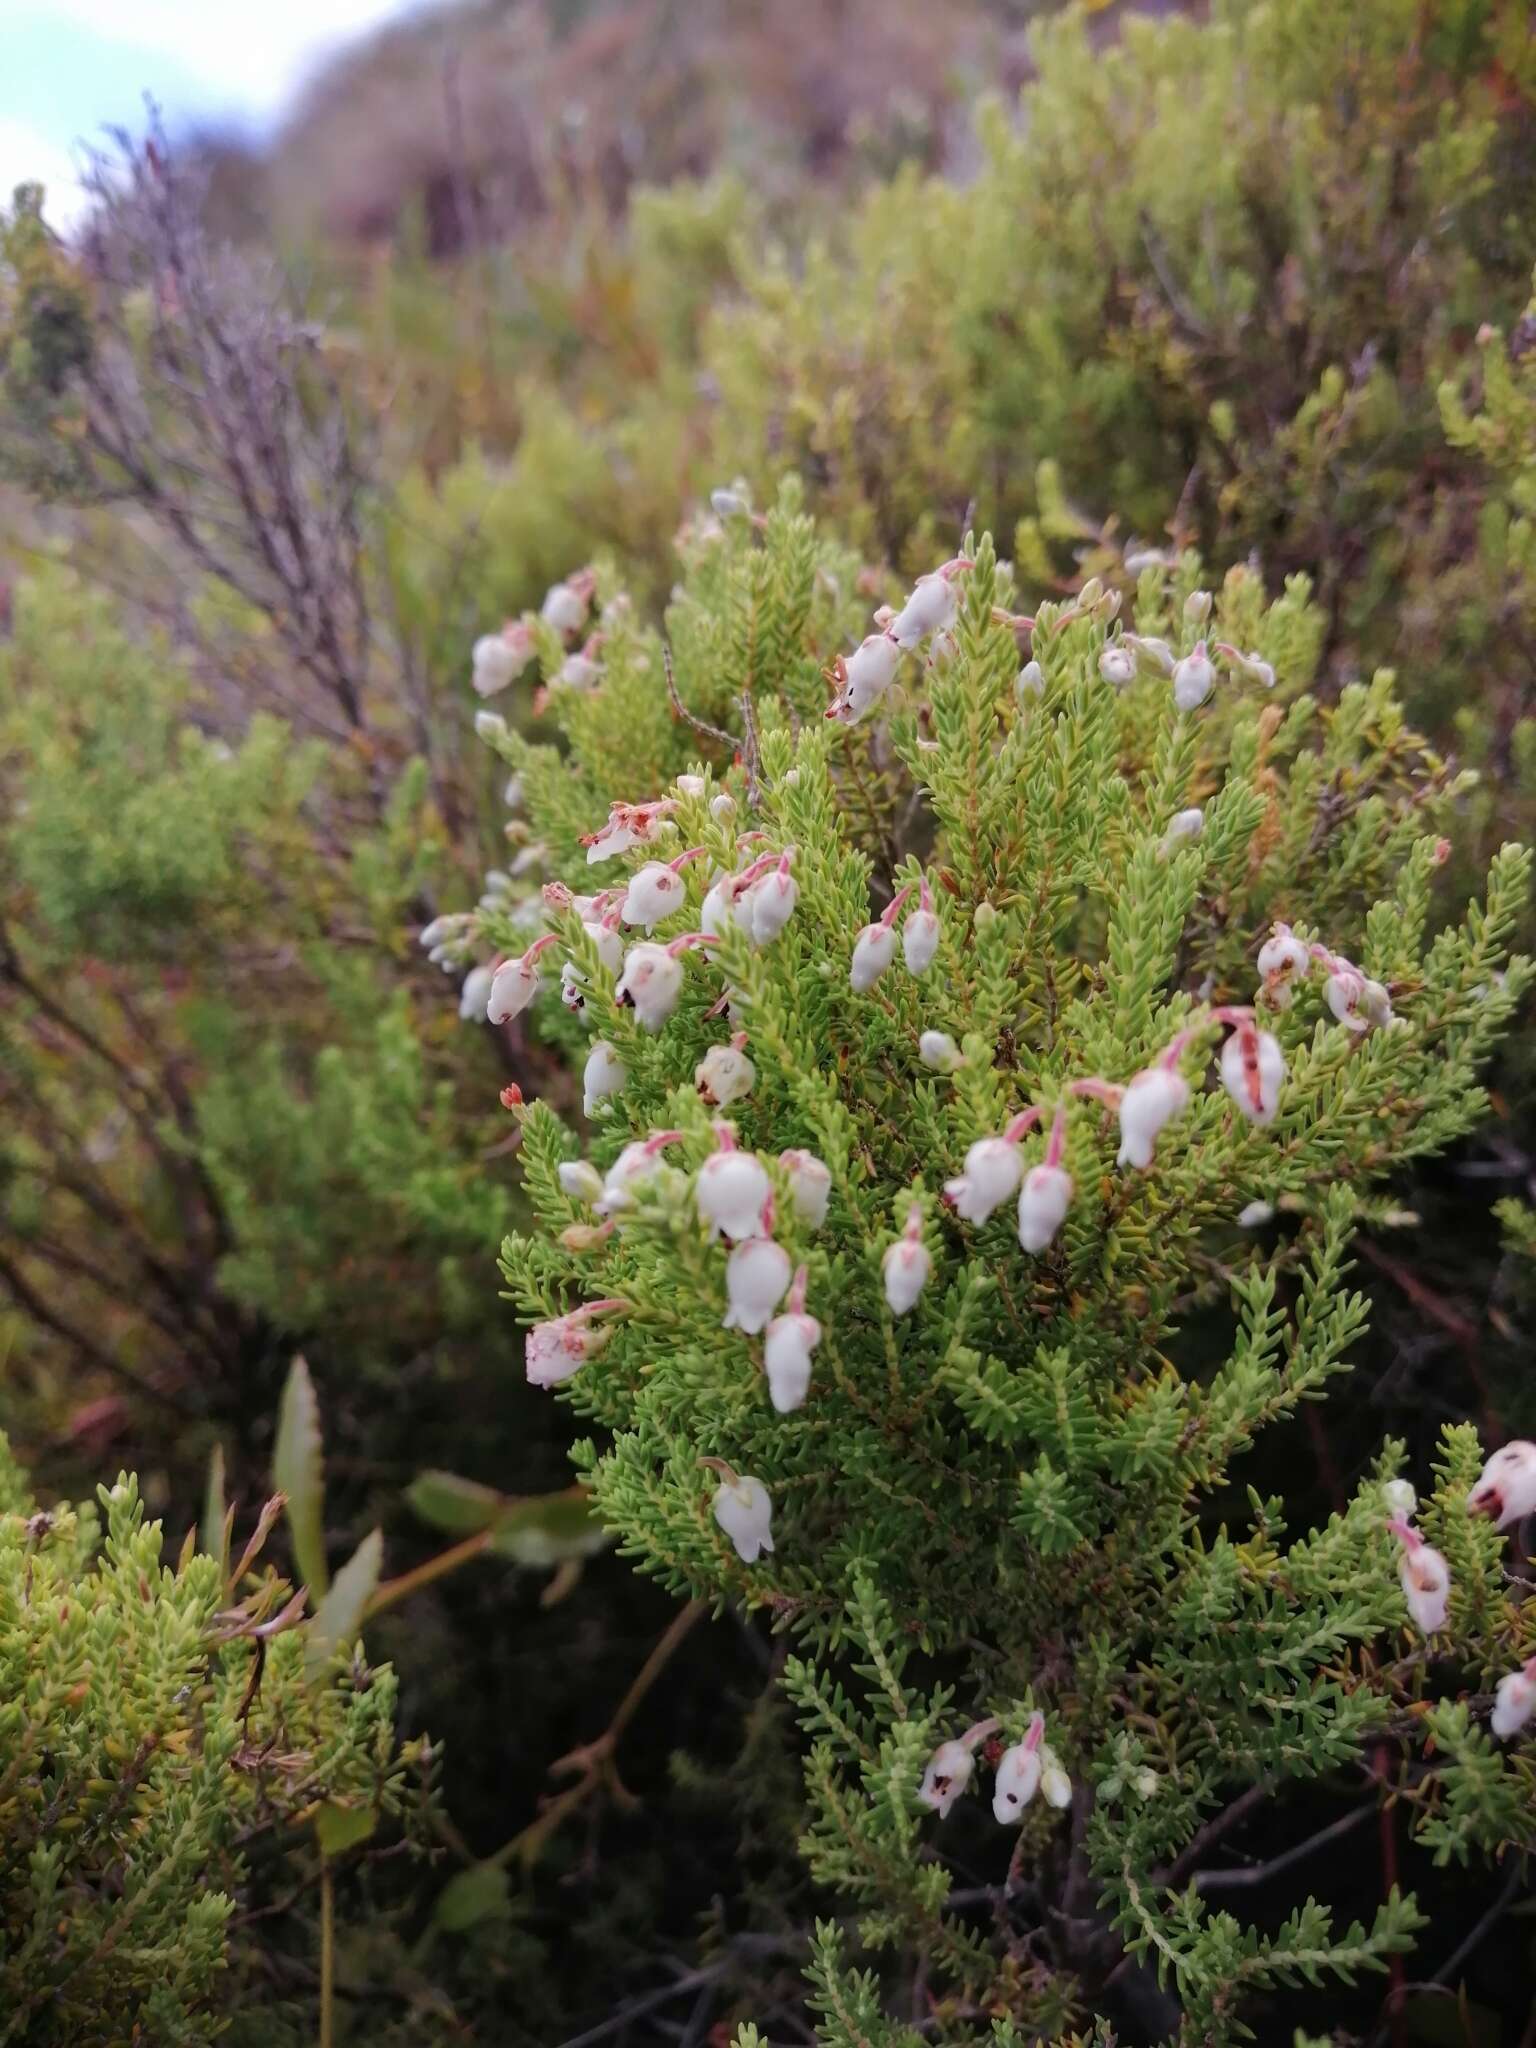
[984, 1083]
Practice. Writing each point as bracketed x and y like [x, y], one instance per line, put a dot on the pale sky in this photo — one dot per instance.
[68, 68]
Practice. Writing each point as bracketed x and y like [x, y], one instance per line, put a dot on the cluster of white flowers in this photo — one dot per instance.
[1358, 1002]
[1193, 675]
[498, 659]
[1028, 1767]
[859, 681]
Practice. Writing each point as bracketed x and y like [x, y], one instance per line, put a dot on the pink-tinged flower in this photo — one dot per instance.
[655, 891]
[725, 1074]
[1514, 1701]
[906, 1266]
[873, 952]
[1046, 1195]
[946, 1776]
[566, 604]
[580, 1181]
[637, 1162]
[1193, 678]
[603, 1075]
[920, 936]
[862, 678]
[1425, 1575]
[579, 670]
[744, 1511]
[1253, 1071]
[1253, 668]
[932, 607]
[732, 1190]
[1018, 1774]
[1506, 1489]
[1154, 657]
[557, 1350]
[1117, 665]
[628, 825]
[756, 1276]
[1151, 1100]
[1358, 1002]
[810, 1185]
[515, 983]
[992, 1174]
[1283, 959]
[500, 658]
[787, 1346]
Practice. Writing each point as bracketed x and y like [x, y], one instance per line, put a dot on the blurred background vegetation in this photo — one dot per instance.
[514, 287]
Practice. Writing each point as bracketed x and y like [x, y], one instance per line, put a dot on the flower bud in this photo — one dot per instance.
[772, 903]
[1030, 681]
[1018, 1775]
[937, 1050]
[1506, 1488]
[1254, 1215]
[992, 1173]
[1044, 1200]
[655, 892]
[636, 1163]
[920, 941]
[1425, 1576]
[729, 504]
[603, 1075]
[651, 983]
[1400, 1498]
[1514, 1701]
[724, 1075]
[1117, 665]
[810, 1185]
[1193, 678]
[499, 659]
[945, 1777]
[1197, 607]
[1154, 657]
[1253, 1071]
[732, 1191]
[906, 1266]
[744, 1512]
[1055, 1785]
[580, 1181]
[756, 1276]
[1184, 825]
[787, 1349]
[490, 726]
[1152, 1099]
[873, 952]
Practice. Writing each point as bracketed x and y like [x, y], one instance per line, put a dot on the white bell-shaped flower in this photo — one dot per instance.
[787, 1346]
[499, 659]
[1117, 665]
[637, 1162]
[579, 671]
[863, 677]
[991, 1176]
[945, 1777]
[744, 1511]
[1055, 1785]
[1193, 678]
[513, 987]
[1283, 959]
[1154, 657]
[1425, 1576]
[1253, 1072]
[724, 1075]
[566, 604]
[873, 952]
[475, 995]
[732, 1191]
[939, 1052]
[603, 1075]
[772, 903]
[931, 608]
[1506, 1487]
[651, 983]
[554, 1351]
[920, 940]
[655, 891]
[756, 1276]
[906, 1266]
[1514, 1701]
[1152, 1099]
[810, 1185]
[580, 1180]
[1044, 1200]
[1018, 1774]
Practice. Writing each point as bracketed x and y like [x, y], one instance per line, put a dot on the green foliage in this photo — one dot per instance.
[1016, 1497]
[157, 1722]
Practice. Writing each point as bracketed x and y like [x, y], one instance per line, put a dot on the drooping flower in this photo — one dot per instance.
[566, 604]
[1193, 678]
[637, 1162]
[906, 1265]
[1018, 1774]
[1046, 1194]
[787, 1346]
[515, 983]
[656, 891]
[555, 1351]
[920, 935]
[603, 1075]
[1283, 959]
[1253, 1071]
[863, 677]
[937, 1050]
[1514, 1701]
[744, 1511]
[991, 1175]
[945, 1777]
[810, 1185]
[1117, 665]
[931, 608]
[580, 1180]
[580, 669]
[725, 1074]
[756, 1276]
[873, 952]
[1358, 1002]
[772, 902]
[1253, 668]
[475, 993]
[1506, 1488]
[732, 1190]
[500, 658]
[1154, 657]
[1151, 1100]
[1425, 1575]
